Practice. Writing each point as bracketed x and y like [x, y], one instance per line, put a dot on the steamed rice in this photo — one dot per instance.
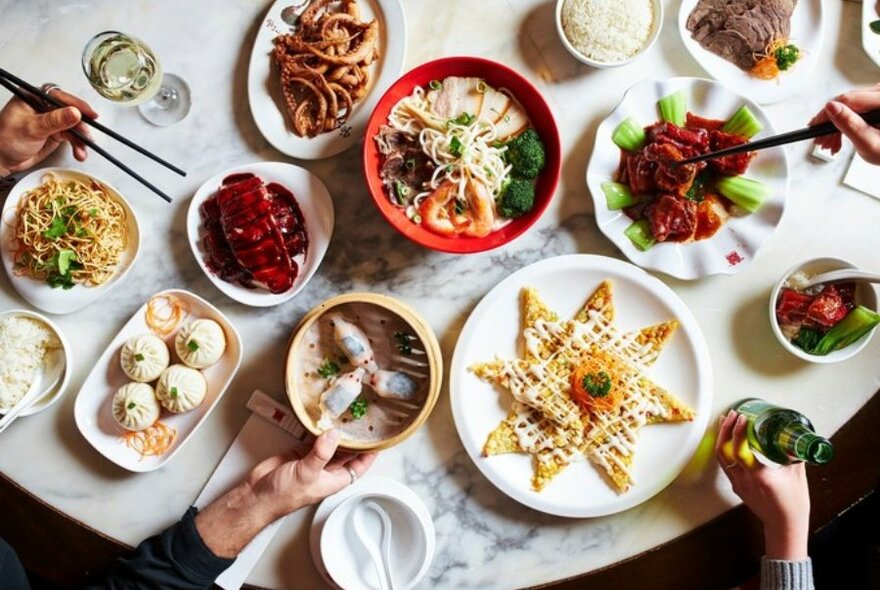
[608, 31]
[24, 345]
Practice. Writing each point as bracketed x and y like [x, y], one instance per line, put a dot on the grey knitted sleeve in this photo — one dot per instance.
[786, 575]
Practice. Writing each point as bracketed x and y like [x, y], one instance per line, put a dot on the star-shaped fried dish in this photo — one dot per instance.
[546, 422]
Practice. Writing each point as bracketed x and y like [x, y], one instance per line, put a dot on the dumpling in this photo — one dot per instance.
[135, 406]
[200, 344]
[180, 389]
[143, 358]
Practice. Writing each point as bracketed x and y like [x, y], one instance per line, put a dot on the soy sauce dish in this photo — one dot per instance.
[825, 323]
[367, 365]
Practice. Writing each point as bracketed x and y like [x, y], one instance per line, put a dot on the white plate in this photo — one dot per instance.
[807, 32]
[264, 91]
[38, 293]
[565, 282]
[317, 210]
[738, 241]
[870, 39]
[93, 408]
[55, 393]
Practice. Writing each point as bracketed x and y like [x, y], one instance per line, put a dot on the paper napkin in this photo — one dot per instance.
[863, 177]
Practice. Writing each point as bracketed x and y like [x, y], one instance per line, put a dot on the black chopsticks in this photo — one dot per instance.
[827, 128]
[42, 102]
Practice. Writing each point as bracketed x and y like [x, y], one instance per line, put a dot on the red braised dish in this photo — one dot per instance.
[253, 233]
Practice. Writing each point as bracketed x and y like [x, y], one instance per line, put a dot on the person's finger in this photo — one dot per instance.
[322, 452]
[860, 100]
[267, 466]
[75, 101]
[44, 125]
[863, 136]
[741, 451]
[362, 463]
[724, 432]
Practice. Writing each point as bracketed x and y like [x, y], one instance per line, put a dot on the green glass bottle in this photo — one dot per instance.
[784, 436]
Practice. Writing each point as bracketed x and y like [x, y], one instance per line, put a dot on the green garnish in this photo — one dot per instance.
[455, 147]
[698, 187]
[850, 329]
[464, 119]
[139, 357]
[65, 257]
[526, 154]
[401, 191]
[434, 85]
[673, 108]
[358, 408]
[517, 199]
[403, 342]
[59, 267]
[640, 234]
[192, 345]
[806, 339]
[93, 211]
[618, 196]
[629, 136]
[57, 228]
[481, 87]
[173, 392]
[597, 384]
[411, 164]
[328, 368]
[131, 405]
[786, 56]
[875, 26]
[459, 207]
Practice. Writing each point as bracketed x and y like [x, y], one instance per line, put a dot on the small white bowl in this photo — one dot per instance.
[341, 558]
[865, 295]
[55, 393]
[652, 38]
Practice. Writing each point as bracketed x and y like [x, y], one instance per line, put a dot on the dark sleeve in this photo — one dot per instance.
[176, 559]
[12, 575]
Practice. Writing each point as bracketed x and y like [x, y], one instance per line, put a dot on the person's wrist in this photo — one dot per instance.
[786, 541]
[273, 505]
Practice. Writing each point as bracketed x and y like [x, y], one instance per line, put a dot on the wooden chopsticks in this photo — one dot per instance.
[827, 128]
[42, 102]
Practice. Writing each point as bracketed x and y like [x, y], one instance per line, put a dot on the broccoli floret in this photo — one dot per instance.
[526, 154]
[518, 198]
[786, 56]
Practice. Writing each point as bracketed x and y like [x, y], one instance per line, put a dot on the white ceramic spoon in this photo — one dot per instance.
[359, 519]
[41, 385]
[844, 274]
[386, 540]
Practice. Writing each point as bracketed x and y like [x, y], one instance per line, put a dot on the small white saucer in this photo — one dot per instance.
[387, 491]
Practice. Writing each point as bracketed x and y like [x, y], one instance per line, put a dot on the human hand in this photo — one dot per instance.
[28, 137]
[842, 112]
[779, 496]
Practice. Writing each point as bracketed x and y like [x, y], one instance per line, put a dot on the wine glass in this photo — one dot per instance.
[124, 69]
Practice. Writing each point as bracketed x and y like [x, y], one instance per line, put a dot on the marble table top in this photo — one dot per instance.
[485, 540]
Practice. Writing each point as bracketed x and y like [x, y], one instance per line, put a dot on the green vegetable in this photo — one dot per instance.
[481, 87]
[746, 193]
[59, 267]
[526, 154]
[875, 26]
[743, 123]
[455, 147]
[401, 191]
[434, 85]
[640, 234]
[698, 187]
[192, 345]
[131, 405]
[404, 345]
[618, 196]
[411, 164]
[517, 199]
[65, 258]
[139, 357]
[328, 368]
[57, 228]
[673, 108]
[786, 56]
[856, 324]
[464, 119]
[597, 384]
[806, 339]
[173, 392]
[629, 136]
[358, 408]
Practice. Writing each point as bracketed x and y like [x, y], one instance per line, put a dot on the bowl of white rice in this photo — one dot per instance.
[29, 343]
[608, 33]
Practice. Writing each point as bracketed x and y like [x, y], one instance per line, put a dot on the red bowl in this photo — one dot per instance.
[495, 75]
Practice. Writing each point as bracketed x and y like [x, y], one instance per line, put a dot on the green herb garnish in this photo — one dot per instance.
[597, 384]
[455, 147]
[463, 119]
[434, 85]
[403, 342]
[697, 190]
[875, 26]
[328, 368]
[139, 357]
[786, 56]
[358, 408]
[192, 345]
[401, 191]
[481, 87]
[411, 164]
[59, 267]
[173, 392]
[131, 405]
[57, 228]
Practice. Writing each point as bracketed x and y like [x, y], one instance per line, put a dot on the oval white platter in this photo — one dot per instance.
[870, 39]
[807, 32]
[317, 210]
[93, 407]
[565, 282]
[38, 293]
[737, 242]
[264, 88]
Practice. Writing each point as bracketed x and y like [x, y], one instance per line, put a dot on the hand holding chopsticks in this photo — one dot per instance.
[842, 111]
[42, 102]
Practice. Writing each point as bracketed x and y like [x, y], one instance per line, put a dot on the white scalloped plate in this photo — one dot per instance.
[738, 241]
[264, 92]
[807, 32]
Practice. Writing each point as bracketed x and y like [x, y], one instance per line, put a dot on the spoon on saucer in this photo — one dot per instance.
[361, 528]
[41, 385]
[844, 274]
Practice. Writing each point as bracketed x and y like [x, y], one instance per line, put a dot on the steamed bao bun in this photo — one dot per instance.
[200, 344]
[181, 389]
[135, 406]
[143, 358]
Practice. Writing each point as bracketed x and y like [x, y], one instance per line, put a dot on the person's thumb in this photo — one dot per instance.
[322, 452]
[55, 121]
[849, 123]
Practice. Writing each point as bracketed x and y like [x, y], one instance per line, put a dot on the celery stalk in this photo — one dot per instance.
[640, 234]
[856, 324]
[618, 196]
[629, 135]
[743, 123]
[673, 108]
[746, 193]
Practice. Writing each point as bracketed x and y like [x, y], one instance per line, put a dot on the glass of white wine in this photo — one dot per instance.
[124, 69]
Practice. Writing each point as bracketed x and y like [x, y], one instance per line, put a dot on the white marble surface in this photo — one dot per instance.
[484, 539]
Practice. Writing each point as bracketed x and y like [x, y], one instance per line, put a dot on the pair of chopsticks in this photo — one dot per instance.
[43, 102]
[827, 128]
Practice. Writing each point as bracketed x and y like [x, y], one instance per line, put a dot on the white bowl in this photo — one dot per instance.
[341, 557]
[652, 38]
[55, 393]
[865, 295]
[317, 210]
[38, 293]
